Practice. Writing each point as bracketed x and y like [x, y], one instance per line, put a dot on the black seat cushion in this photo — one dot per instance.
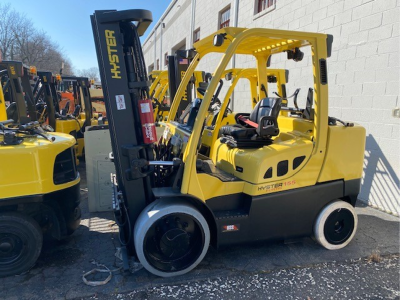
[237, 131]
[245, 135]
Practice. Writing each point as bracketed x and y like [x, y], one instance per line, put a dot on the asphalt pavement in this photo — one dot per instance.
[368, 268]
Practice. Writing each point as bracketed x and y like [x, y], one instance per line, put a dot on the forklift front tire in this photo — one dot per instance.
[171, 238]
[336, 225]
[20, 243]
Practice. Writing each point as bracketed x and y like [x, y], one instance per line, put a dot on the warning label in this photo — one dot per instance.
[120, 99]
[145, 107]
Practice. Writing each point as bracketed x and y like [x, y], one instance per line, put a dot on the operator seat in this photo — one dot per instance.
[255, 130]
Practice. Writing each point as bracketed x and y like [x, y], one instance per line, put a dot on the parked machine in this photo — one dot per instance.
[59, 118]
[3, 113]
[162, 93]
[39, 182]
[271, 176]
[21, 105]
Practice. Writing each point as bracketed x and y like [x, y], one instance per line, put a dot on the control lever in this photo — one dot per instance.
[295, 94]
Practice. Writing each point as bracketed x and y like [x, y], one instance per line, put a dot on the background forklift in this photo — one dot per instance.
[60, 119]
[13, 76]
[3, 113]
[272, 176]
[39, 182]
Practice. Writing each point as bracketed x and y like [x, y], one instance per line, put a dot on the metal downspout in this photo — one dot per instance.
[192, 22]
[235, 24]
[161, 51]
[155, 48]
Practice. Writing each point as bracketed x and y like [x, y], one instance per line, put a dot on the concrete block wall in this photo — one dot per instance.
[363, 70]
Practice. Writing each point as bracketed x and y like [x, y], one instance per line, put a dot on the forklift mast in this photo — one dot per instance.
[49, 92]
[124, 80]
[19, 89]
[3, 113]
[83, 84]
[177, 67]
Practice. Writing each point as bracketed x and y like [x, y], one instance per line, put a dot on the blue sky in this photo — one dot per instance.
[68, 22]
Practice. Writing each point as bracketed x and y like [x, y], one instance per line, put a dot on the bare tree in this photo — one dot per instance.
[19, 40]
[8, 18]
[91, 73]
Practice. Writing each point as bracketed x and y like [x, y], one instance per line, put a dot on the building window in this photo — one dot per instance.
[151, 68]
[196, 35]
[261, 7]
[158, 64]
[224, 17]
[166, 59]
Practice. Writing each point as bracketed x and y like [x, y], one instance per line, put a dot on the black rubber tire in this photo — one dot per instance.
[26, 230]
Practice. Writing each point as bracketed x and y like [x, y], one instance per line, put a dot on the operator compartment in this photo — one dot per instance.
[278, 154]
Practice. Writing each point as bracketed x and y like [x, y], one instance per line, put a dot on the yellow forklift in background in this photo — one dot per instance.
[39, 182]
[83, 112]
[60, 119]
[160, 90]
[271, 175]
[3, 113]
[14, 74]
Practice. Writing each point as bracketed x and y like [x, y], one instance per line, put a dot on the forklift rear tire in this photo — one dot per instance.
[171, 238]
[20, 243]
[336, 225]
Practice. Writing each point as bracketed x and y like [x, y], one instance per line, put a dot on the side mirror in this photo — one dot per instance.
[218, 40]
[228, 76]
[190, 54]
[296, 54]
[208, 77]
[272, 79]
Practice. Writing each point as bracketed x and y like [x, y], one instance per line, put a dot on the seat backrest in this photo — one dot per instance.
[12, 111]
[266, 107]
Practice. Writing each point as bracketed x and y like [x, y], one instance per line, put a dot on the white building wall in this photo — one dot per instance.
[363, 69]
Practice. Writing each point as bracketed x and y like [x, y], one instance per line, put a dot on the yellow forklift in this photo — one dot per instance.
[60, 119]
[3, 111]
[162, 92]
[14, 74]
[271, 176]
[39, 182]
[83, 112]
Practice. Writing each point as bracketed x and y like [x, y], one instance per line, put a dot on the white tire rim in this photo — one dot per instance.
[151, 214]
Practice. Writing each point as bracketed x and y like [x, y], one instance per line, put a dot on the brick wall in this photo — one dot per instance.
[363, 70]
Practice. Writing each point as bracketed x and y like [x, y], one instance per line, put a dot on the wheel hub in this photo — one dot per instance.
[11, 247]
[174, 243]
[5, 247]
[339, 226]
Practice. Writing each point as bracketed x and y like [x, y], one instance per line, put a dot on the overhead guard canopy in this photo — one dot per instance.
[271, 40]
